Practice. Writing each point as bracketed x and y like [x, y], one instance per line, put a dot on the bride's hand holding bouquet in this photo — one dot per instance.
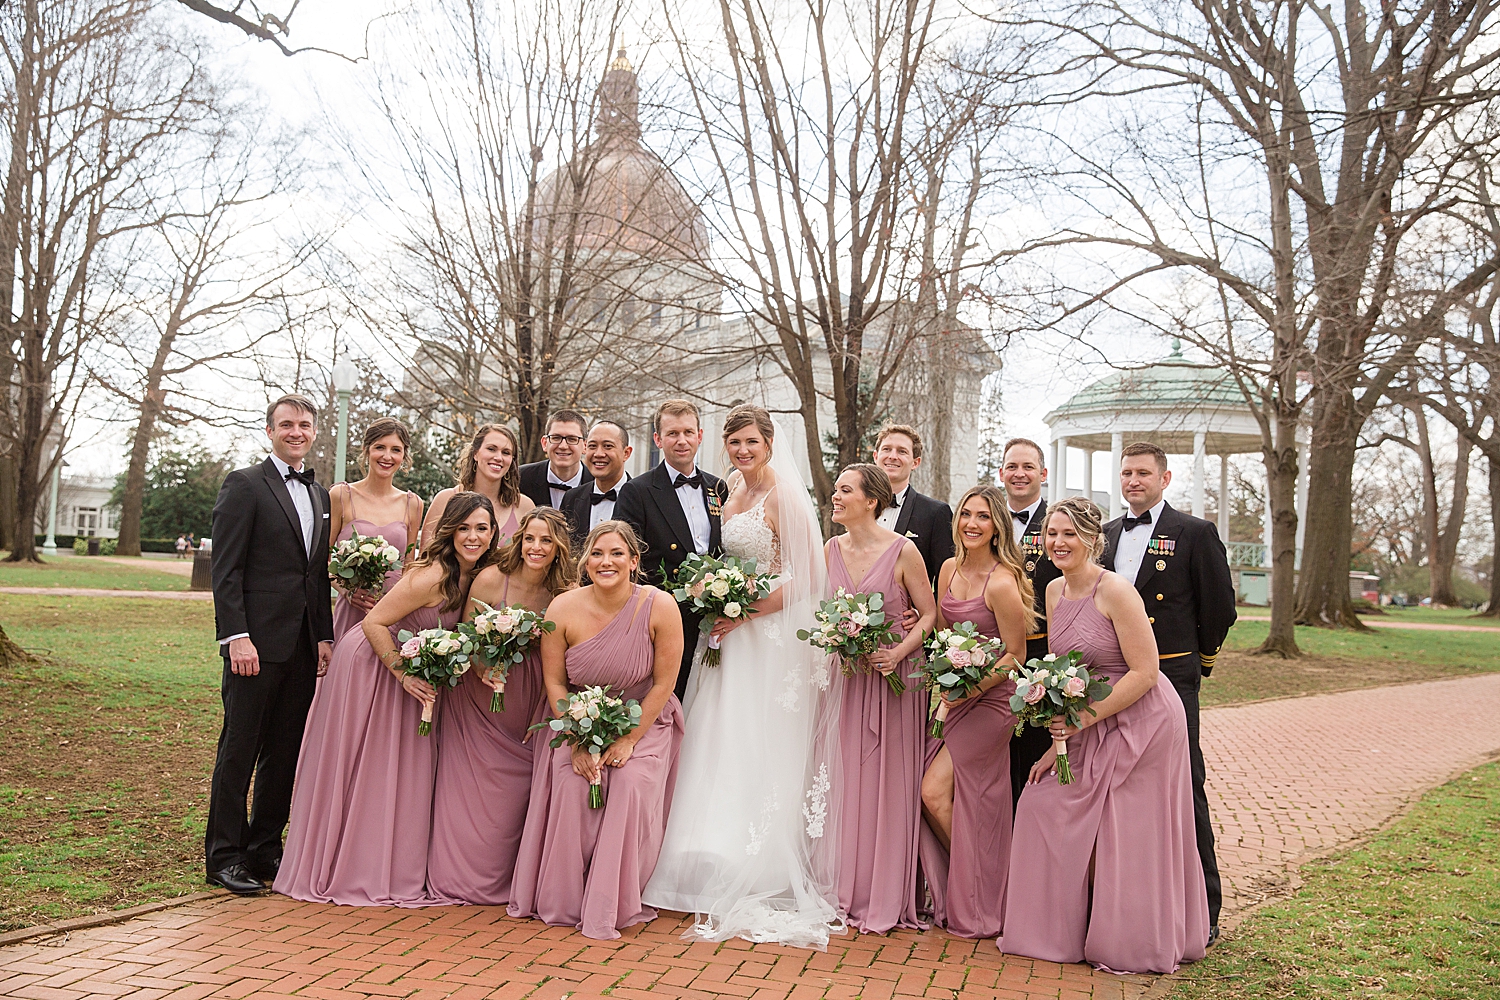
[719, 588]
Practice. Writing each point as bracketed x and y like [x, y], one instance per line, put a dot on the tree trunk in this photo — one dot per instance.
[1323, 584]
[1493, 466]
[1443, 552]
[1281, 470]
[10, 653]
[135, 474]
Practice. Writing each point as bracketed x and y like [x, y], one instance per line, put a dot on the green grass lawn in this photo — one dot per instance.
[1436, 616]
[81, 571]
[1413, 913]
[105, 754]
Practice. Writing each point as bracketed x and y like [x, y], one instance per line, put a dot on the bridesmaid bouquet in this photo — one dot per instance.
[958, 658]
[1050, 688]
[852, 626]
[592, 719]
[437, 656]
[501, 638]
[361, 562]
[714, 588]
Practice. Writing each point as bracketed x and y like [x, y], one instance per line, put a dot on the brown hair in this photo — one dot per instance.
[468, 463]
[1087, 518]
[563, 573]
[1146, 448]
[627, 535]
[1041, 456]
[295, 400]
[674, 408]
[874, 484]
[745, 415]
[568, 417]
[441, 552]
[911, 432]
[1002, 544]
[384, 428]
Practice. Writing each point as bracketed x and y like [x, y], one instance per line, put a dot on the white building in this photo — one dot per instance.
[82, 508]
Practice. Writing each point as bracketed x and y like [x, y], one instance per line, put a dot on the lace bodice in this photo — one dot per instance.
[748, 536]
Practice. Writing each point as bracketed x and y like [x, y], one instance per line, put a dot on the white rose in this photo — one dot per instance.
[483, 626]
[955, 640]
[732, 609]
[1049, 657]
[578, 710]
[860, 618]
[368, 548]
[719, 588]
[392, 553]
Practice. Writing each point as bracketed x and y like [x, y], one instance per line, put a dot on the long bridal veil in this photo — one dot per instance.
[756, 854]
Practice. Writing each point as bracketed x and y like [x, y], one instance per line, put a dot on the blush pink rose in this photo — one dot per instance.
[848, 627]
[1075, 687]
[959, 657]
[411, 647]
[977, 658]
[1035, 694]
[696, 590]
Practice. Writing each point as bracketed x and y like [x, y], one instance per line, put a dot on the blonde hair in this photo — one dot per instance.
[627, 535]
[563, 573]
[1088, 522]
[1002, 545]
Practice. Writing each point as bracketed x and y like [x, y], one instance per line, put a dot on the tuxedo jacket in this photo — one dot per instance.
[265, 583]
[1041, 572]
[1184, 580]
[534, 482]
[577, 507]
[649, 504]
[929, 524]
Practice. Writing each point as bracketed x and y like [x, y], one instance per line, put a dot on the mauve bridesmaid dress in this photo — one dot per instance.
[346, 615]
[586, 868]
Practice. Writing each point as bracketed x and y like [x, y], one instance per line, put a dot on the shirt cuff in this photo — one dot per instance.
[242, 635]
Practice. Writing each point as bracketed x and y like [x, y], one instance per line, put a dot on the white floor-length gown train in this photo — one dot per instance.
[750, 840]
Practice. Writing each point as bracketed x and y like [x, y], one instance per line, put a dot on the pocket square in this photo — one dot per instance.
[909, 534]
[325, 517]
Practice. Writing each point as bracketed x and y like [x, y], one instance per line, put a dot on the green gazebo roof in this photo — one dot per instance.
[1173, 383]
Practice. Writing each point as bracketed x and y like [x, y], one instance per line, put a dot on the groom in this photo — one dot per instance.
[275, 626]
[675, 509]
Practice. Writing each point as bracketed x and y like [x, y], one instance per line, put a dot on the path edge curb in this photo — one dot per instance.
[105, 919]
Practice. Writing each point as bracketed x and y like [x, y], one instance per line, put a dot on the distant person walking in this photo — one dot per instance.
[182, 547]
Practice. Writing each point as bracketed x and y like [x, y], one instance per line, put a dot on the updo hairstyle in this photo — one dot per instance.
[1088, 522]
[382, 428]
[874, 484]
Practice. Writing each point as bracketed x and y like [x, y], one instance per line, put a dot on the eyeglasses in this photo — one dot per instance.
[572, 439]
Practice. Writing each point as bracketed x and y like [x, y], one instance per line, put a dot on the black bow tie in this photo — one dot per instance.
[1132, 522]
[554, 484]
[695, 481]
[1024, 516]
[609, 495]
[307, 476]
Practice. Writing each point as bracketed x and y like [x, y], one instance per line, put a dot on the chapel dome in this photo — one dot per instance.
[625, 196]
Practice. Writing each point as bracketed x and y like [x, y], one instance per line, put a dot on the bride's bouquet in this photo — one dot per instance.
[501, 638]
[852, 626]
[592, 719]
[1053, 687]
[361, 562]
[714, 588]
[958, 658]
[437, 656]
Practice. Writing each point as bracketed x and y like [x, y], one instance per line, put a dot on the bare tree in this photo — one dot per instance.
[264, 22]
[96, 94]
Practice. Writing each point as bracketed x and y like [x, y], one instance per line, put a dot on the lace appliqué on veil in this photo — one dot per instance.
[758, 831]
[815, 809]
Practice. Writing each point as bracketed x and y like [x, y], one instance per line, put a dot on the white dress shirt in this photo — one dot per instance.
[1018, 526]
[568, 484]
[695, 507]
[892, 514]
[1132, 547]
[604, 510]
[302, 500]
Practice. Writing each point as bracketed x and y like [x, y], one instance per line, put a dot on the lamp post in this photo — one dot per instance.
[344, 377]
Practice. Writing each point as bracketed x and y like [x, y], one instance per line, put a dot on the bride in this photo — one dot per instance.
[749, 842]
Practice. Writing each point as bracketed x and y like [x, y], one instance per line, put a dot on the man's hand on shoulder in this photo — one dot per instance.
[244, 660]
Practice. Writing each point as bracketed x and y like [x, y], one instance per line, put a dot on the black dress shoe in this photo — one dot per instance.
[237, 879]
[1213, 936]
[264, 870]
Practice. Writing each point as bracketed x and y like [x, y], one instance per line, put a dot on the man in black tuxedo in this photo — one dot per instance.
[1023, 472]
[926, 521]
[604, 456]
[1179, 565]
[274, 618]
[546, 481]
[675, 508]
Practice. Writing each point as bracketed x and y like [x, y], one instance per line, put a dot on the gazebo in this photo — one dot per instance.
[1185, 409]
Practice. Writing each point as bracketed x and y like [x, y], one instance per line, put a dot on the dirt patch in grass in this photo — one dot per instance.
[1241, 677]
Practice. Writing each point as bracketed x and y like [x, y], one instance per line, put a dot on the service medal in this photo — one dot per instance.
[1161, 564]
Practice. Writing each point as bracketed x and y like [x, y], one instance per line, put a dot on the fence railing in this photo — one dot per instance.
[1246, 553]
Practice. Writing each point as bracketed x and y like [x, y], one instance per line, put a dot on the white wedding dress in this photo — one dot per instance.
[750, 838]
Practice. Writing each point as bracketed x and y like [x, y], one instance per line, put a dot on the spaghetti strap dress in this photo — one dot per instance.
[967, 881]
[485, 762]
[346, 615]
[1130, 810]
[586, 868]
[881, 743]
[362, 802]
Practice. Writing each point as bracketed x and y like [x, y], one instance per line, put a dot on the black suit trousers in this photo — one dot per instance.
[264, 717]
[1186, 676]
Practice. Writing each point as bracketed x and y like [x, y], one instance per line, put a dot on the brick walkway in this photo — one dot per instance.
[1275, 800]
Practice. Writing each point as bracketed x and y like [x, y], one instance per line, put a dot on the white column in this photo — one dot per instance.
[1265, 524]
[1200, 439]
[1224, 499]
[1116, 445]
[1304, 455]
[1060, 469]
[1088, 473]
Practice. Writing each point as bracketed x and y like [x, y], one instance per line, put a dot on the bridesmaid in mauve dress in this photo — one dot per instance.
[1108, 869]
[392, 514]
[485, 758]
[362, 803]
[581, 867]
[488, 466]
[966, 800]
[882, 736]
